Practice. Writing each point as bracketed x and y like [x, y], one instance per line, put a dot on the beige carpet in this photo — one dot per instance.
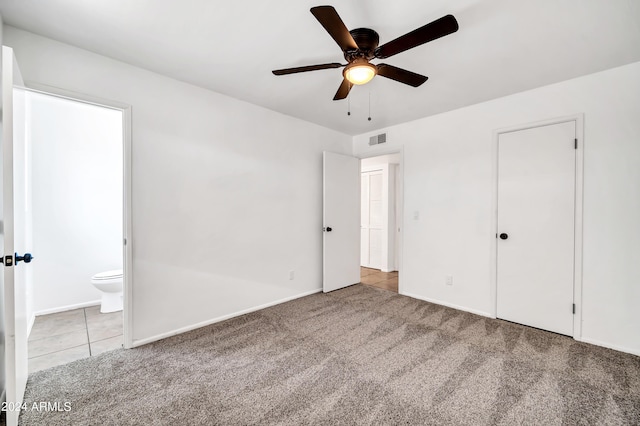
[355, 356]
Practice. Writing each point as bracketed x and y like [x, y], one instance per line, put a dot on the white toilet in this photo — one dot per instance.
[110, 285]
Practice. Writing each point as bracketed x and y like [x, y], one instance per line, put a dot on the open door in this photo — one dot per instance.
[341, 221]
[14, 233]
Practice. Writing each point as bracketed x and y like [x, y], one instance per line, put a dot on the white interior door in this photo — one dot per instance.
[15, 220]
[536, 214]
[375, 220]
[372, 219]
[341, 221]
[396, 222]
[364, 219]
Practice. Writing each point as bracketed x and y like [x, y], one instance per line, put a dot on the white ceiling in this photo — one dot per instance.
[502, 47]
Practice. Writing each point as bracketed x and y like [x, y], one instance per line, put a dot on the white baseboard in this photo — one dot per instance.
[609, 346]
[485, 314]
[181, 330]
[449, 305]
[67, 308]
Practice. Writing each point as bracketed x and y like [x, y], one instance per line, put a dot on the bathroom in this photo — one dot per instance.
[76, 152]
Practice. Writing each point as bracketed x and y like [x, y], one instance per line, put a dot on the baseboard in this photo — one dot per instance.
[67, 308]
[609, 346]
[485, 314]
[449, 305]
[181, 330]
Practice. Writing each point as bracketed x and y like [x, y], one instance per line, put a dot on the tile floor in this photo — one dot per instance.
[63, 337]
[377, 278]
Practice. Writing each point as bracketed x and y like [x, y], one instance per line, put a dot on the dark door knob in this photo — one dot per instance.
[328, 229]
[504, 236]
[27, 258]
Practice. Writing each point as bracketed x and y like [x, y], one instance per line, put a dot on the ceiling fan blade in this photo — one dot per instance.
[343, 90]
[401, 75]
[307, 68]
[330, 20]
[434, 30]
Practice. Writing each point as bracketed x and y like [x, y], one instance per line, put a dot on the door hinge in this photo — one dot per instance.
[574, 309]
[575, 143]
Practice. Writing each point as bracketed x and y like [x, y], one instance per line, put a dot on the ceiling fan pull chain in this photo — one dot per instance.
[369, 105]
[349, 101]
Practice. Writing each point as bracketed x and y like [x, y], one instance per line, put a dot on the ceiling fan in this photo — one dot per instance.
[360, 45]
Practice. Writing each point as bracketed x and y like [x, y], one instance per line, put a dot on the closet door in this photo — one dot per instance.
[536, 211]
[371, 219]
[364, 219]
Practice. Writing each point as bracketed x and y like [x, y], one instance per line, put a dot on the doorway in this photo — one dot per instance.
[78, 180]
[538, 225]
[379, 221]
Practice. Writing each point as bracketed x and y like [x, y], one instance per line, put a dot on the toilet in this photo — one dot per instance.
[110, 285]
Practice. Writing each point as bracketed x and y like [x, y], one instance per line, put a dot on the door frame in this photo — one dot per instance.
[578, 119]
[127, 282]
[399, 201]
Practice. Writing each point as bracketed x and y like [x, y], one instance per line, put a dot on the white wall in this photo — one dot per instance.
[76, 180]
[227, 196]
[448, 180]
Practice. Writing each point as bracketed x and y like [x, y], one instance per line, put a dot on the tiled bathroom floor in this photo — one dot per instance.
[60, 338]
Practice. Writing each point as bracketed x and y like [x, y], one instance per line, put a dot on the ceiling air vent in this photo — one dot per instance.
[378, 139]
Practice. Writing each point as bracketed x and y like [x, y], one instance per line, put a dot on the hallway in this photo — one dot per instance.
[377, 278]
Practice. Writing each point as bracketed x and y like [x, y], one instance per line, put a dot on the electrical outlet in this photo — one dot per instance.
[448, 279]
[292, 275]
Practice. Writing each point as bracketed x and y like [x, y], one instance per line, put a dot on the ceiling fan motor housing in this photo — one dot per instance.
[367, 41]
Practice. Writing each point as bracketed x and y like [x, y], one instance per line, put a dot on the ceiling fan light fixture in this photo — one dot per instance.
[359, 72]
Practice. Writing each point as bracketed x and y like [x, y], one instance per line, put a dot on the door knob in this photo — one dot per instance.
[27, 258]
[328, 229]
[504, 236]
